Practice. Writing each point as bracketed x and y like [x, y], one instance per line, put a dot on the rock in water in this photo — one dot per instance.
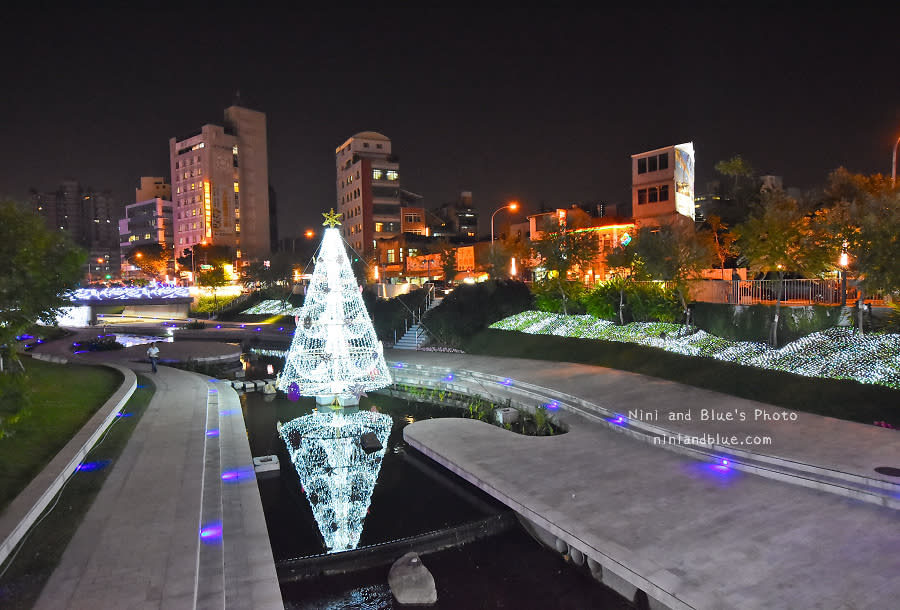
[411, 582]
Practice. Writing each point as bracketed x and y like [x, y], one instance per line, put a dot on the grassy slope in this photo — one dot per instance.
[64, 397]
[43, 547]
[836, 398]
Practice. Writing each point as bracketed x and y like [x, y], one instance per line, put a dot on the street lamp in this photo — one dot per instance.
[894, 164]
[843, 262]
[512, 205]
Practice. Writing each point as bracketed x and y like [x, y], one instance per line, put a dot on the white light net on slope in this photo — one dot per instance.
[335, 350]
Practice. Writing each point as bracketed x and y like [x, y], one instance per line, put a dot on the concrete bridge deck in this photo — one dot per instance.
[682, 528]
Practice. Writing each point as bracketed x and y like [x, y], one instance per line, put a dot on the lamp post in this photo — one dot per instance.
[843, 261]
[512, 205]
[894, 164]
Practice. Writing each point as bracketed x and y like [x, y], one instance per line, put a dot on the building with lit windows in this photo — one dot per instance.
[145, 222]
[457, 220]
[662, 184]
[610, 231]
[368, 191]
[220, 182]
[153, 187]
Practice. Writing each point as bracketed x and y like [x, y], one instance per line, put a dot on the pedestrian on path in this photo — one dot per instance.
[153, 354]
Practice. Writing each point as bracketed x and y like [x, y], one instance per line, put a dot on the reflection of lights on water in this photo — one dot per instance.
[336, 474]
[213, 432]
[270, 369]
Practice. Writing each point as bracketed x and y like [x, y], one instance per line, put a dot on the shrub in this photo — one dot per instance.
[195, 325]
[473, 307]
[547, 297]
[644, 302]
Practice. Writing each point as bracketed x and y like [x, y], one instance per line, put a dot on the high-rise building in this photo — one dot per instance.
[662, 184]
[220, 176]
[88, 216]
[152, 187]
[368, 190]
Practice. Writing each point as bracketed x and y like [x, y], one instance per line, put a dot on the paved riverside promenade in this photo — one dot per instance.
[814, 529]
[140, 544]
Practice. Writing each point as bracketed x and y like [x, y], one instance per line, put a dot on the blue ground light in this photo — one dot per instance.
[92, 466]
[211, 533]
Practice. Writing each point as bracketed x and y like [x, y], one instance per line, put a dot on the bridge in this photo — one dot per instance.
[161, 301]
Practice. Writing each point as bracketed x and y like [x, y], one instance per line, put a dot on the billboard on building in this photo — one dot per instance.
[684, 179]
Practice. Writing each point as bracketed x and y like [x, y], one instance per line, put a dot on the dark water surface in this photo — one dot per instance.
[412, 496]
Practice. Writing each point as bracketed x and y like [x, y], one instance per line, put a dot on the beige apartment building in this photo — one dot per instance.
[220, 183]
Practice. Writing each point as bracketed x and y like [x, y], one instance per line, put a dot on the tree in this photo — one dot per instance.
[738, 193]
[673, 252]
[721, 240]
[39, 267]
[213, 278]
[151, 259]
[778, 238]
[861, 214]
[562, 251]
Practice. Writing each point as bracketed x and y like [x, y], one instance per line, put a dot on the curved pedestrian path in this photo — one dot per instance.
[178, 522]
[673, 521]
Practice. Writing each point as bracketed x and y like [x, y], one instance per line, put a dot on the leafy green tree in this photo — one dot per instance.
[673, 252]
[39, 267]
[151, 259]
[561, 251]
[861, 216]
[213, 278]
[738, 191]
[778, 238]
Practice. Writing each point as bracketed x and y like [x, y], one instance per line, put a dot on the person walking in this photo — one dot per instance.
[153, 354]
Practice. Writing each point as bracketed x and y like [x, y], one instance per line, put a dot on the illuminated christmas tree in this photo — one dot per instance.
[335, 353]
[336, 357]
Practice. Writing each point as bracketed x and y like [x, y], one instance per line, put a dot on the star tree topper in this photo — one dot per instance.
[332, 219]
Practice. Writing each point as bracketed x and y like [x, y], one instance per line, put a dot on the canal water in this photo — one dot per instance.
[413, 496]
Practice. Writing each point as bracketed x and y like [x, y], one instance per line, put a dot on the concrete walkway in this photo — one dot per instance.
[684, 529]
[178, 522]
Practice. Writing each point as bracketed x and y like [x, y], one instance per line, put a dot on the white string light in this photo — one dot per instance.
[334, 351]
[338, 476]
[837, 353]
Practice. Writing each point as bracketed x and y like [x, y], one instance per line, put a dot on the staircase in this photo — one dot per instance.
[416, 336]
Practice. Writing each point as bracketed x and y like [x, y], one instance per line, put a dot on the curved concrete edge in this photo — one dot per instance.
[865, 489]
[27, 507]
[241, 570]
[616, 560]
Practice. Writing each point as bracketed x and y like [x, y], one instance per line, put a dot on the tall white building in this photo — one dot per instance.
[662, 184]
[220, 185]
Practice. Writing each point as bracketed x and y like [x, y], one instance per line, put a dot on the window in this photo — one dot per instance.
[365, 144]
[642, 165]
[664, 162]
[378, 146]
[642, 196]
[664, 192]
[652, 164]
[390, 256]
[652, 195]
[392, 175]
[412, 218]
[379, 227]
[376, 174]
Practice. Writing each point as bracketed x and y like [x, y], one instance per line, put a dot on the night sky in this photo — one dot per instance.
[534, 106]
